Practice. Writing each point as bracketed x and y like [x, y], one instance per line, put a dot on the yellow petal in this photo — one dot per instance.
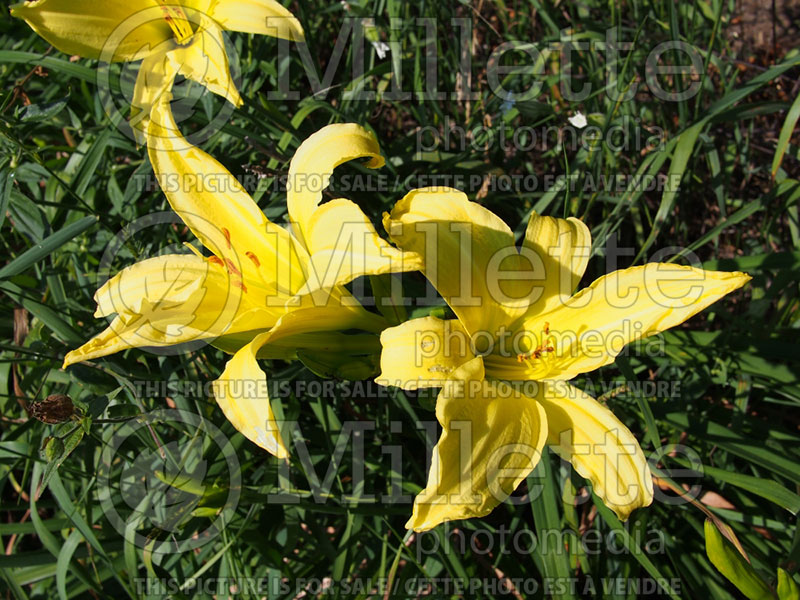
[113, 30]
[593, 326]
[170, 300]
[344, 245]
[313, 164]
[599, 446]
[241, 391]
[155, 78]
[222, 215]
[559, 252]
[182, 26]
[423, 352]
[205, 61]
[325, 318]
[242, 394]
[265, 17]
[345, 345]
[491, 440]
[468, 253]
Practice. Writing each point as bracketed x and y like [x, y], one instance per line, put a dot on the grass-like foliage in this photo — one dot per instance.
[710, 179]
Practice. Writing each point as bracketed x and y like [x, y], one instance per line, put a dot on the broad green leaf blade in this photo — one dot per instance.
[630, 543]
[6, 183]
[44, 313]
[64, 562]
[786, 135]
[787, 586]
[677, 169]
[546, 518]
[60, 65]
[733, 565]
[43, 111]
[46, 247]
[771, 490]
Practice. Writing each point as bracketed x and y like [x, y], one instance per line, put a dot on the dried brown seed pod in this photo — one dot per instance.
[56, 408]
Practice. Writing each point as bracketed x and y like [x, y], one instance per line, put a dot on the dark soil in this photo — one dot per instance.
[756, 29]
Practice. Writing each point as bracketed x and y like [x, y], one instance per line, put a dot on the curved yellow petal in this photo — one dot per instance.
[599, 446]
[326, 318]
[265, 17]
[205, 61]
[468, 253]
[491, 440]
[241, 391]
[344, 245]
[170, 300]
[313, 164]
[559, 252]
[154, 79]
[222, 215]
[592, 327]
[423, 352]
[172, 278]
[113, 30]
[346, 345]
[242, 394]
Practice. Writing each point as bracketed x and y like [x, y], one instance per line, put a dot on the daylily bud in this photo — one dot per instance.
[53, 448]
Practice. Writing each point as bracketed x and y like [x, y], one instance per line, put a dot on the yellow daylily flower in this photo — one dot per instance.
[171, 37]
[520, 335]
[263, 292]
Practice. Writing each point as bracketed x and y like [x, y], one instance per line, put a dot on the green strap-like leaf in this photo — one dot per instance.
[46, 247]
[786, 134]
[787, 586]
[733, 565]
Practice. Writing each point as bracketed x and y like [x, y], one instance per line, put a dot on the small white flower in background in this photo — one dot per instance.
[578, 120]
[381, 48]
[508, 103]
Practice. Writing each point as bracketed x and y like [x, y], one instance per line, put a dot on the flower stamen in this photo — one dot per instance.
[227, 235]
[177, 21]
[232, 268]
[254, 258]
[545, 347]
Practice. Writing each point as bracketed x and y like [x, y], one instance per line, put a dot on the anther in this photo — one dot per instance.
[535, 354]
[227, 235]
[177, 21]
[216, 260]
[232, 268]
[254, 258]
